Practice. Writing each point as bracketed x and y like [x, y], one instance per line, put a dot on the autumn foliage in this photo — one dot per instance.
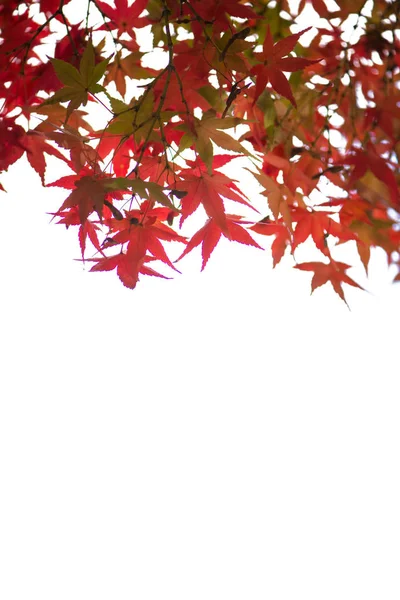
[189, 92]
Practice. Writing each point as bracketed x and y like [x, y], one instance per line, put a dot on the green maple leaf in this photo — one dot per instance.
[78, 83]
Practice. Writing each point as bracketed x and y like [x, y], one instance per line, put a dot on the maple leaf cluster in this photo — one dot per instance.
[235, 81]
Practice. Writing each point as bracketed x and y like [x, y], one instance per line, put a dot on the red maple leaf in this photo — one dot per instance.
[210, 234]
[122, 151]
[274, 64]
[318, 5]
[88, 194]
[208, 190]
[141, 230]
[36, 145]
[51, 6]
[123, 17]
[216, 12]
[87, 230]
[123, 263]
[11, 148]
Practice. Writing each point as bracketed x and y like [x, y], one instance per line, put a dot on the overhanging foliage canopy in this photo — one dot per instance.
[232, 80]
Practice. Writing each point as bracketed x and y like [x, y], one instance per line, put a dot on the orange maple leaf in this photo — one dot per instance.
[362, 160]
[281, 233]
[334, 271]
[319, 225]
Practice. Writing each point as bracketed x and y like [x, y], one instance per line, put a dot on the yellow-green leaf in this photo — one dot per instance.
[86, 66]
[156, 191]
[66, 73]
[98, 72]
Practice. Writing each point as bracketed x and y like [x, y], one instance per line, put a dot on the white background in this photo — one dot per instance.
[220, 436]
